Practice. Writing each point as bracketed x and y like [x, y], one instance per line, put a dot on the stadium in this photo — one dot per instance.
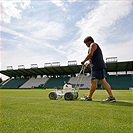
[53, 75]
[27, 108]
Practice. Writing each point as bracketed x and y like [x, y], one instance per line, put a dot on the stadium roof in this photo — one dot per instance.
[65, 70]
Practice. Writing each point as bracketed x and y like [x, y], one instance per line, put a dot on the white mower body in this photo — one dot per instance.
[68, 92]
[67, 88]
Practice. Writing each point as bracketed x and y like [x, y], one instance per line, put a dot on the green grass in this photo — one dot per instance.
[31, 111]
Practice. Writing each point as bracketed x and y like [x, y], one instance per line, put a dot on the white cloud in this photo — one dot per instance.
[102, 17]
[122, 50]
[37, 32]
[12, 9]
[63, 4]
[71, 1]
[48, 30]
[10, 31]
[59, 4]
[97, 23]
[33, 47]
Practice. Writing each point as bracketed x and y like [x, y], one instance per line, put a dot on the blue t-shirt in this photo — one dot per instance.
[97, 62]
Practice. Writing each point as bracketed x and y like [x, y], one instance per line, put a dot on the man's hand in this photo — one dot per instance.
[82, 62]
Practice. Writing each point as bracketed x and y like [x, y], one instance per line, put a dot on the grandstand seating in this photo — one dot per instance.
[54, 82]
[85, 81]
[120, 81]
[34, 82]
[55, 75]
[14, 83]
[116, 82]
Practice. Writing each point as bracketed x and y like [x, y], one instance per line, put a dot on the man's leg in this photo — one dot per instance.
[92, 87]
[106, 86]
[108, 89]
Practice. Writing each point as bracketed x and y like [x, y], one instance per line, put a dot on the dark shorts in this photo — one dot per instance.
[99, 74]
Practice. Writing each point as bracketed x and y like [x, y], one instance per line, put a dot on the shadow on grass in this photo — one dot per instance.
[117, 103]
[120, 103]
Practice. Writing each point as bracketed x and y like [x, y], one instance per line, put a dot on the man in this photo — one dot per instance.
[98, 67]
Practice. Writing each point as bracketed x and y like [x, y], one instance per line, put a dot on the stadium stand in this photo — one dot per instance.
[34, 82]
[56, 75]
[56, 82]
[14, 83]
[85, 82]
[120, 81]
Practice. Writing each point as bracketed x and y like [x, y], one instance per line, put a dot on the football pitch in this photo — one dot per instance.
[31, 111]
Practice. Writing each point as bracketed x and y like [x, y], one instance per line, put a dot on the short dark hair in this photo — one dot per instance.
[88, 38]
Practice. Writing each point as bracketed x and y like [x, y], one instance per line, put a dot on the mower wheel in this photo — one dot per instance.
[68, 96]
[52, 95]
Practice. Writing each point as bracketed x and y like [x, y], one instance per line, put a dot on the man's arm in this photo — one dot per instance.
[93, 47]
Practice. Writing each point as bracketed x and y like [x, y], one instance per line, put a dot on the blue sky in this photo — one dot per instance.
[38, 32]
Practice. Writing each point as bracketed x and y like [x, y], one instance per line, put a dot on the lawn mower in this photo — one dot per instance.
[69, 92]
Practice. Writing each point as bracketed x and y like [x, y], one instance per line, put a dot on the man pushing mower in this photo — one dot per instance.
[98, 71]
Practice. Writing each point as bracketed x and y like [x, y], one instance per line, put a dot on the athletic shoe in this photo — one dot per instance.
[110, 99]
[86, 99]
